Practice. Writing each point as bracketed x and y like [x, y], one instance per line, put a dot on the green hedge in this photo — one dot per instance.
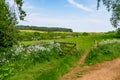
[108, 50]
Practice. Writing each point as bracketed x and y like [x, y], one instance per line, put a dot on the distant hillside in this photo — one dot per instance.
[49, 29]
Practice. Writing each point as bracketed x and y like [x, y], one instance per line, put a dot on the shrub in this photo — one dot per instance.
[62, 68]
[20, 57]
[107, 50]
[85, 34]
[118, 32]
[8, 38]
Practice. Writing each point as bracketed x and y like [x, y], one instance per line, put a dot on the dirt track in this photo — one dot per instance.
[70, 75]
[109, 70]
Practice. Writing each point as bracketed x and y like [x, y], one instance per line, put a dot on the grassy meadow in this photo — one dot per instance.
[41, 58]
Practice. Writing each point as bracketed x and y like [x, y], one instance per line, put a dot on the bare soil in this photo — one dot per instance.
[70, 75]
[109, 70]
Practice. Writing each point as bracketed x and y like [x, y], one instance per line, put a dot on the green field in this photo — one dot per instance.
[83, 43]
[56, 65]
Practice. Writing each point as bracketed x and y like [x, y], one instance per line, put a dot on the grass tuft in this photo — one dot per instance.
[62, 68]
[104, 52]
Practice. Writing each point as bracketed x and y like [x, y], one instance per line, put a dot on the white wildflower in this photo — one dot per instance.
[109, 41]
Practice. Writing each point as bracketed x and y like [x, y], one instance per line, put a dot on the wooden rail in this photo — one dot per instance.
[67, 48]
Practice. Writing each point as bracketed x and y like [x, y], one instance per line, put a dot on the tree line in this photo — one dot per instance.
[48, 29]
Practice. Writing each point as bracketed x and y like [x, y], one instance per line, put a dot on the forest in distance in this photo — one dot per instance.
[48, 29]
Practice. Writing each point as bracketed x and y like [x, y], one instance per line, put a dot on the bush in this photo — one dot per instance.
[118, 32]
[107, 50]
[8, 38]
[21, 57]
[85, 34]
[8, 20]
[62, 68]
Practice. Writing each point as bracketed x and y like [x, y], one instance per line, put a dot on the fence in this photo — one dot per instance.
[67, 48]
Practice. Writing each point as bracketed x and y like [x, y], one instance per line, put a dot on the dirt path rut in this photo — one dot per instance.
[70, 75]
[109, 70]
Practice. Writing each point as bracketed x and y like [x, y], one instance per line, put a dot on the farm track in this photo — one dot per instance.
[109, 70]
[71, 74]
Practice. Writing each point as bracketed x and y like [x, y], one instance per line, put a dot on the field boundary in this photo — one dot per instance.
[67, 47]
[76, 70]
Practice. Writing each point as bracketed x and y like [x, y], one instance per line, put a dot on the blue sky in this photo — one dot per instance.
[80, 15]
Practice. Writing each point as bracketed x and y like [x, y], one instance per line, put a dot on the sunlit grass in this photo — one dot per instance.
[32, 31]
[26, 43]
[105, 51]
[35, 70]
[44, 31]
[87, 42]
[83, 42]
[62, 65]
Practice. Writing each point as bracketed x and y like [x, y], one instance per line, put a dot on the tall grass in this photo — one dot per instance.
[62, 65]
[20, 57]
[83, 43]
[107, 50]
[87, 42]
[62, 68]
[35, 70]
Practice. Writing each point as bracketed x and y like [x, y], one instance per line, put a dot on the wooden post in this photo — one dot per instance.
[96, 43]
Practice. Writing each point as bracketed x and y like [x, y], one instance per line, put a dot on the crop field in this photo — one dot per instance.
[32, 31]
[41, 58]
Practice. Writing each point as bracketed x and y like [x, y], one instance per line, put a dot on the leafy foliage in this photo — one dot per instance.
[20, 57]
[21, 12]
[118, 32]
[8, 20]
[32, 36]
[62, 68]
[114, 6]
[107, 50]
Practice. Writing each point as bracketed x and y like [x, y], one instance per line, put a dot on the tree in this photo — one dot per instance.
[114, 7]
[8, 20]
[118, 32]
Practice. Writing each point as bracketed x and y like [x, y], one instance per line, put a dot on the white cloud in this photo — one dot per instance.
[97, 21]
[28, 6]
[80, 6]
[88, 24]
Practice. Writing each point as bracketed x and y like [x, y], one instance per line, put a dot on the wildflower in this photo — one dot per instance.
[109, 41]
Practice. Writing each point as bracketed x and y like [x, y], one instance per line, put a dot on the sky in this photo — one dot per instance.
[79, 15]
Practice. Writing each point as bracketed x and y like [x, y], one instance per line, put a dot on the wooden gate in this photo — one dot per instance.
[67, 48]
